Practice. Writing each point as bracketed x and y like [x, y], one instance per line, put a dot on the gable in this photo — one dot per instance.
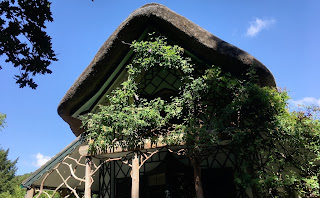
[106, 67]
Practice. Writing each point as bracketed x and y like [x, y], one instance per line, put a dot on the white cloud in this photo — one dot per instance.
[305, 101]
[257, 25]
[40, 160]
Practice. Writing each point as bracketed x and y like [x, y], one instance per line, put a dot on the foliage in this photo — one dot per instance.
[279, 149]
[7, 171]
[17, 191]
[283, 158]
[23, 39]
[129, 118]
[2, 120]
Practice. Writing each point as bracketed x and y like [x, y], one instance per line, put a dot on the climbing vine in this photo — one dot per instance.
[280, 149]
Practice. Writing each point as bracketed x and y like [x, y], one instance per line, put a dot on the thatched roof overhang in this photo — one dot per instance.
[194, 39]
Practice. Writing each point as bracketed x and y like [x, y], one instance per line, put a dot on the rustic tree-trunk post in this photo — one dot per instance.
[197, 176]
[30, 193]
[87, 190]
[135, 176]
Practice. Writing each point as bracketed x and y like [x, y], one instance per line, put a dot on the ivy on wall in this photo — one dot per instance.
[279, 148]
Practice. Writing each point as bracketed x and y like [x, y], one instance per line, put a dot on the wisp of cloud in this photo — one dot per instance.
[305, 102]
[258, 25]
[40, 160]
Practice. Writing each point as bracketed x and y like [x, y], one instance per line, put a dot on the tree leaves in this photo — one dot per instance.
[2, 120]
[23, 39]
[7, 171]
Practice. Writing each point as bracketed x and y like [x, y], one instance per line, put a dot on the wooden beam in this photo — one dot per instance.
[84, 150]
[30, 193]
[87, 189]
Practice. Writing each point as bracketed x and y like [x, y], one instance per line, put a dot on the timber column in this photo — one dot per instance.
[30, 193]
[135, 176]
[87, 190]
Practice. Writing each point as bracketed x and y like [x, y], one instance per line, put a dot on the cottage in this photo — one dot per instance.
[74, 171]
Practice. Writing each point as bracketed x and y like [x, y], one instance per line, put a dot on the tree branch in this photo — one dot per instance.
[72, 172]
[148, 157]
[65, 182]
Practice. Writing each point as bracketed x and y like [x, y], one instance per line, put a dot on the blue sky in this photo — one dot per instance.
[284, 35]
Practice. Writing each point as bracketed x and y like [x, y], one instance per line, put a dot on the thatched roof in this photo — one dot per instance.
[183, 32]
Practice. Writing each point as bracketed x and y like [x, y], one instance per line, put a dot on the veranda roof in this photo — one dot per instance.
[36, 178]
[202, 44]
[48, 175]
